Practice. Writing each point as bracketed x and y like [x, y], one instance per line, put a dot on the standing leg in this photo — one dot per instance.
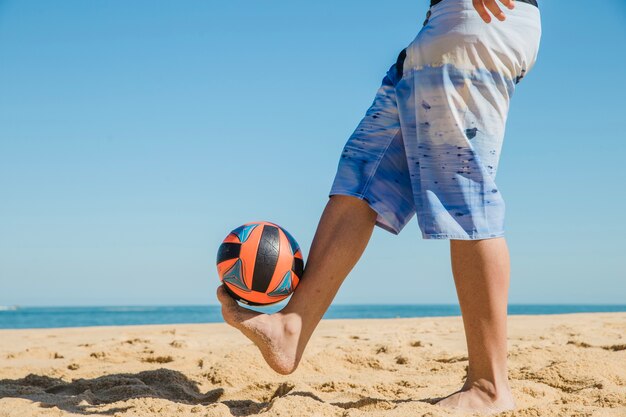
[341, 237]
[481, 273]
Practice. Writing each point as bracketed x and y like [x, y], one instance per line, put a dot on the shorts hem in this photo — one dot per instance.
[393, 227]
[434, 236]
[388, 226]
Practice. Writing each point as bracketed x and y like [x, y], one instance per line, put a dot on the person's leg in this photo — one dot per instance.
[341, 237]
[372, 187]
[481, 274]
[454, 100]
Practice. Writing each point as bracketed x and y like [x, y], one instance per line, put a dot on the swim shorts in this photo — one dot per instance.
[430, 142]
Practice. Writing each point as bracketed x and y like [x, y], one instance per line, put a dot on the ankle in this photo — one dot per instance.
[291, 322]
[492, 388]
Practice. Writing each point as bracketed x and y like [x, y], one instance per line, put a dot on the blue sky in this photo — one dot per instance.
[134, 135]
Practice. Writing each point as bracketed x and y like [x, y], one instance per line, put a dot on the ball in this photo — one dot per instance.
[260, 263]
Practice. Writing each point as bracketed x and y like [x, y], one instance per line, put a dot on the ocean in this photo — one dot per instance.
[51, 317]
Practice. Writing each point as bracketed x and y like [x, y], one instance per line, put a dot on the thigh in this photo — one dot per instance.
[453, 103]
[373, 164]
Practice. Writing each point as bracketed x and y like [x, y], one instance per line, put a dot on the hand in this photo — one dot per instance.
[482, 6]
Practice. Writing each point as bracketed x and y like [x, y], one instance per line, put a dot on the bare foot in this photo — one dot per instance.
[480, 396]
[276, 335]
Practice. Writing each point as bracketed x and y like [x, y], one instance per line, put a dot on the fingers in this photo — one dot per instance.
[482, 11]
[483, 7]
[508, 3]
[495, 9]
[223, 296]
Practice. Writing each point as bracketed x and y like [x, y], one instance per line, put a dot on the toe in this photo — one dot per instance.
[224, 298]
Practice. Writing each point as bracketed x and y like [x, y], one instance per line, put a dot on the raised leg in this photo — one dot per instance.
[341, 237]
[481, 270]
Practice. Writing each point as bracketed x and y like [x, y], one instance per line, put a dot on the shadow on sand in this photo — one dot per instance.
[81, 395]
[87, 396]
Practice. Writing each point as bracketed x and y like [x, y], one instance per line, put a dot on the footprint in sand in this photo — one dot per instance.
[615, 348]
[178, 344]
[135, 341]
[402, 360]
[158, 359]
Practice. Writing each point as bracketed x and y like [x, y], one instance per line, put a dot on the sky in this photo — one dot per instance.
[134, 135]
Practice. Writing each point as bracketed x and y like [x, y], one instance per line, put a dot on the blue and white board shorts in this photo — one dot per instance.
[430, 142]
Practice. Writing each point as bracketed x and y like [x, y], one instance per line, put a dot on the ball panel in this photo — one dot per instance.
[253, 297]
[228, 250]
[231, 238]
[248, 254]
[237, 295]
[234, 276]
[292, 242]
[243, 232]
[266, 258]
[284, 287]
[295, 280]
[222, 267]
[298, 265]
[283, 264]
[259, 298]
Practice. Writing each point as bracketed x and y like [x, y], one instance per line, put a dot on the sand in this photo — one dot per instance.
[566, 365]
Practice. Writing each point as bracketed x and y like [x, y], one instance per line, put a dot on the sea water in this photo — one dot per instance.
[50, 317]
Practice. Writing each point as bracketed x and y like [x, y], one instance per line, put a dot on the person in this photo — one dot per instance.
[428, 145]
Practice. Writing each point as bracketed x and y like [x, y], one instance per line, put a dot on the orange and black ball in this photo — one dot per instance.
[260, 263]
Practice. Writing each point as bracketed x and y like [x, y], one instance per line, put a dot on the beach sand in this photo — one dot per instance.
[565, 365]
